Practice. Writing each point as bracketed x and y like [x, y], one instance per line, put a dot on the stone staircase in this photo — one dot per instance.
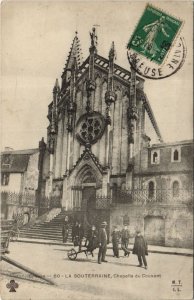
[47, 230]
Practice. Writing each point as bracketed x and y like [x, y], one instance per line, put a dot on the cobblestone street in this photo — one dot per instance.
[117, 279]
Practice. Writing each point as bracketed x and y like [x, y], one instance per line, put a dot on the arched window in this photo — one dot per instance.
[151, 189]
[123, 186]
[155, 157]
[175, 189]
[176, 155]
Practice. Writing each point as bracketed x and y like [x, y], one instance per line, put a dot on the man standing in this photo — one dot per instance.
[65, 229]
[80, 234]
[102, 243]
[77, 234]
[125, 240]
[115, 241]
[74, 231]
[141, 249]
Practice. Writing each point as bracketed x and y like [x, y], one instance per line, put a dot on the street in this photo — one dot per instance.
[167, 277]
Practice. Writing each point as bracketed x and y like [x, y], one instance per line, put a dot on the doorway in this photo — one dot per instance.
[154, 228]
[89, 197]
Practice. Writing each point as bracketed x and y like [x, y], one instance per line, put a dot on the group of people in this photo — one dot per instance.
[124, 237]
[99, 239]
[140, 247]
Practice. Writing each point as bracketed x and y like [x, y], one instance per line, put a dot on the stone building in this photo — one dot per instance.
[19, 183]
[98, 159]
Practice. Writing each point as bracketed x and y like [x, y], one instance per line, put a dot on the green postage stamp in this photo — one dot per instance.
[154, 34]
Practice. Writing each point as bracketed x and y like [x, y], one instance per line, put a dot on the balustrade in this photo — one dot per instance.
[156, 196]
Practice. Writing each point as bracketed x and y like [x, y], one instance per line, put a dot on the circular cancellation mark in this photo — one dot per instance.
[149, 69]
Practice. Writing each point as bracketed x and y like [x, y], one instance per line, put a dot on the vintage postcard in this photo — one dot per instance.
[96, 150]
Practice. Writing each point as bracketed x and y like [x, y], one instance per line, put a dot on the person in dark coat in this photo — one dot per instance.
[102, 239]
[92, 239]
[125, 240]
[74, 230]
[78, 235]
[65, 229]
[140, 249]
[115, 241]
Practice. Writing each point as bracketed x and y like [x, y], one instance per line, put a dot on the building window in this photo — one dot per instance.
[151, 189]
[6, 160]
[155, 157]
[123, 187]
[175, 189]
[5, 179]
[176, 155]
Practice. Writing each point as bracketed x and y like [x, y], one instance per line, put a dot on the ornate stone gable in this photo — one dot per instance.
[91, 160]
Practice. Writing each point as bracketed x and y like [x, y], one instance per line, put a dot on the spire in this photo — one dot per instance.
[56, 88]
[71, 107]
[112, 57]
[56, 94]
[110, 95]
[112, 52]
[132, 110]
[75, 52]
[74, 55]
[90, 85]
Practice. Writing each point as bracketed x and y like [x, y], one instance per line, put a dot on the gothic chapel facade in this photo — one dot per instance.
[99, 133]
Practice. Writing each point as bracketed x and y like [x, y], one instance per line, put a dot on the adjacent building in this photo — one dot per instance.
[19, 182]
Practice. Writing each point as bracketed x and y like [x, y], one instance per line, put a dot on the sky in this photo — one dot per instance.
[36, 39]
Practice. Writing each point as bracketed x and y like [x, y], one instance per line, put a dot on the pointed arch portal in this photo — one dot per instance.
[85, 190]
[87, 179]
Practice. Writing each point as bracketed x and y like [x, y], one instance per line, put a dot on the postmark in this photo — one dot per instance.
[156, 50]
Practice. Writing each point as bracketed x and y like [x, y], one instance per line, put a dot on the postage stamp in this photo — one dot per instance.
[154, 34]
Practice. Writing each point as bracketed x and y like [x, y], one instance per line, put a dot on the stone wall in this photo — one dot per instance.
[15, 210]
[170, 226]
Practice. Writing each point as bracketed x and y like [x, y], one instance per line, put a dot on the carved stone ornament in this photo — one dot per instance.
[90, 128]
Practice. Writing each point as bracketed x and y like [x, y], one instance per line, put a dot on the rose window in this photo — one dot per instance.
[90, 128]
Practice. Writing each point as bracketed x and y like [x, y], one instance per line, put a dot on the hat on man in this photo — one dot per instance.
[104, 223]
[138, 231]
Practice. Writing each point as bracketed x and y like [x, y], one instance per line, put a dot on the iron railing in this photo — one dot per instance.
[159, 196]
[13, 198]
[103, 202]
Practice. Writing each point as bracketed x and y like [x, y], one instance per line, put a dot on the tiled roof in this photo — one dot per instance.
[16, 161]
[103, 63]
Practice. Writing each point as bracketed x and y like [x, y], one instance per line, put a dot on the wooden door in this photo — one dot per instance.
[89, 198]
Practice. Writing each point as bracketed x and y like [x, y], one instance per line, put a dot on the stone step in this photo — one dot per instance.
[45, 230]
[42, 235]
[41, 232]
[47, 227]
[52, 225]
[48, 230]
[59, 233]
